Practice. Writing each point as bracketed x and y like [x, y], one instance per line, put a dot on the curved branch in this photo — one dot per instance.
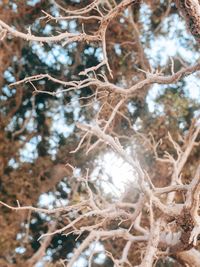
[190, 257]
[190, 10]
[66, 36]
[150, 79]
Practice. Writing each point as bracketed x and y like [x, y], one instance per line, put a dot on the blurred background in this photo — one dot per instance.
[38, 132]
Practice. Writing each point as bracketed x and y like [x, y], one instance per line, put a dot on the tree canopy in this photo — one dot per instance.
[100, 133]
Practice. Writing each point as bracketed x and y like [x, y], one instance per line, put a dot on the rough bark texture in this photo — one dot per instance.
[190, 10]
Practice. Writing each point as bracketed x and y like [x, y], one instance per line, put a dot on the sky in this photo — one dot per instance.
[161, 49]
[112, 166]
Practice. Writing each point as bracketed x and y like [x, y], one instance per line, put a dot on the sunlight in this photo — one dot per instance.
[114, 174]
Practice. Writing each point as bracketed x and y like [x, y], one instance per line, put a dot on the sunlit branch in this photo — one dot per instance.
[128, 92]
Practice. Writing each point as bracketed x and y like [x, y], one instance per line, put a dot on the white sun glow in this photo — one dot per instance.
[114, 174]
